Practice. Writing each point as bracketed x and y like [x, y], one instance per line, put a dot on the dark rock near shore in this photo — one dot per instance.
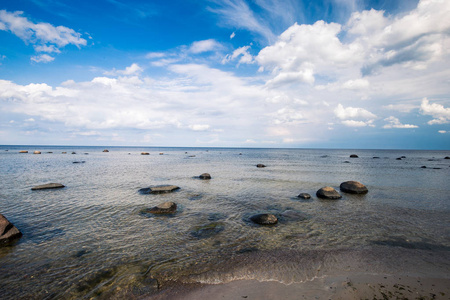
[205, 176]
[304, 196]
[8, 231]
[376, 157]
[48, 186]
[260, 166]
[159, 189]
[264, 219]
[328, 193]
[354, 156]
[423, 167]
[145, 153]
[447, 157]
[79, 162]
[398, 158]
[353, 187]
[208, 230]
[106, 150]
[163, 208]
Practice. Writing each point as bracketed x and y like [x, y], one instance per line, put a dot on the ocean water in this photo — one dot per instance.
[93, 238]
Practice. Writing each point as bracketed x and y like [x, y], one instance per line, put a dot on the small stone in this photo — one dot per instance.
[205, 176]
[375, 157]
[48, 186]
[164, 208]
[260, 166]
[106, 150]
[37, 152]
[64, 152]
[398, 158]
[160, 153]
[304, 196]
[74, 153]
[346, 162]
[8, 231]
[353, 187]
[423, 167]
[328, 193]
[264, 219]
[23, 151]
[159, 189]
[145, 153]
[354, 156]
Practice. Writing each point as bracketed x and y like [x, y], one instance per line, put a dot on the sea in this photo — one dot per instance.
[95, 238]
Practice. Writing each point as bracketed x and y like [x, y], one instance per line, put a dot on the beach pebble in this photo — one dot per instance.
[260, 166]
[8, 231]
[23, 151]
[353, 187]
[354, 156]
[48, 186]
[264, 219]
[205, 176]
[304, 196]
[159, 189]
[145, 153]
[164, 208]
[37, 152]
[106, 150]
[328, 193]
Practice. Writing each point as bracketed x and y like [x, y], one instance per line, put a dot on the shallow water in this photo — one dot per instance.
[91, 239]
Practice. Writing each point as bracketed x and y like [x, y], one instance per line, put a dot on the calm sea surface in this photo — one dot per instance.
[94, 239]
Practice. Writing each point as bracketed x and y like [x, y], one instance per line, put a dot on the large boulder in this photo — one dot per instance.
[163, 208]
[48, 186]
[205, 176]
[159, 189]
[264, 219]
[353, 187]
[8, 231]
[328, 193]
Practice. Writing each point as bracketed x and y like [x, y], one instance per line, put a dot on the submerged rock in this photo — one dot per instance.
[354, 156]
[8, 231]
[208, 230]
[159, 189]
[328, 193]
[163, 208]
[260, 166]
[264, 219]
[48, 186]
[293, 215]
[205, 176]
[353, 187]
[304, 196]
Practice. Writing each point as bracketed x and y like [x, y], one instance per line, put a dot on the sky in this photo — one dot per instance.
[226, 73]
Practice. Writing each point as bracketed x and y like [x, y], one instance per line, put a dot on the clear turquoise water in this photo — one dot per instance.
[91, 239]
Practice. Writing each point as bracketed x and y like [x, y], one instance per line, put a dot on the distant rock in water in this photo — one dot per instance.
[23, 151]
[260, 166]
[423, 167]
[205, 176]
[64, 152]
[353, 187]
[74, 153]
[447, 157]
[304, 196]
[159, 189]
[376, 157]
[48, 186]
[398, 158]
[163, 208]
[79, 162]
[402, 156]
[8, 231]
[346, 162]
[328, 193]
[354, 156]
[264, 219]
[106, 150]
[145, 153]
[37, 152]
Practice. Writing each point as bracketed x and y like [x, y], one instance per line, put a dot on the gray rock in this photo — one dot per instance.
[159, 189]
[354, 156]
[264, 219]
[164, 208]
[8, 231]
[205, 176]
[353, 187]
[48, 186]
[260, 166]
[304, 196]
[328, 193]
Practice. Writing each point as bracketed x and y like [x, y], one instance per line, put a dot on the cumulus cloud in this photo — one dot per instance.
[199, 127]
[44, 36]
[131, 70]
[393, 122]
[353, 123]
[45, 58]
[205, 46]
[440, 114]
[242, 52]
[352, 113]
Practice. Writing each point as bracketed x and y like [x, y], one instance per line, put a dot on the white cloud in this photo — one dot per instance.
[205, 46]
[352, 113]
[356, 84]
[440, 114]
[232, 35]
[353, 123]
[395, 123]
[405, 108]
[45, 58]
[44, 36]
[242, 52]
[199, 127]
[152, 55]
[131, 70]
[442, 131]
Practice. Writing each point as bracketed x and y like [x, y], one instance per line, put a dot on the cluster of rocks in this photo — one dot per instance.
[329, 193]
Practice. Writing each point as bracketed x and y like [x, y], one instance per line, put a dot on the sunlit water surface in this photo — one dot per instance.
[92, 238]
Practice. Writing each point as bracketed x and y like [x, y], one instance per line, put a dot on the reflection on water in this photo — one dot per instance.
[92, 239]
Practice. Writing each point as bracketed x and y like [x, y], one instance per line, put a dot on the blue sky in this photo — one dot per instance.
[230, 73]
